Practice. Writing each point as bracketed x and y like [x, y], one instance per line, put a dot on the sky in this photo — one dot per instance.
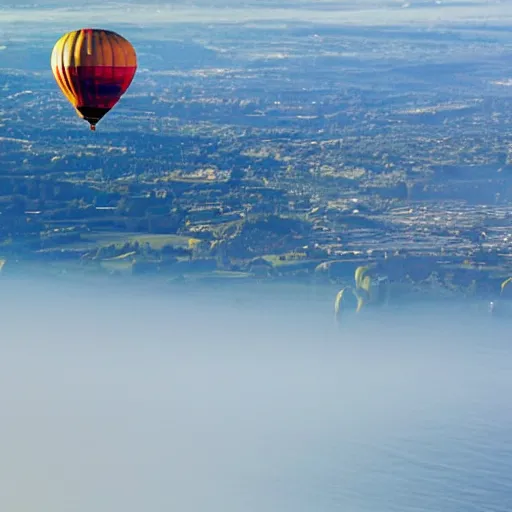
[365, 12]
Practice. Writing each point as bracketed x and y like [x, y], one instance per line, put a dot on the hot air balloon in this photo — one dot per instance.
[339, 302]
[505, 289]
[370, 286]
[93, 68]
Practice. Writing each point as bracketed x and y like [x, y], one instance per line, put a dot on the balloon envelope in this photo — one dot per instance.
[93, 68]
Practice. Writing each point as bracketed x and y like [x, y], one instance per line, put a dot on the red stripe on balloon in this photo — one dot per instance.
[101, 86]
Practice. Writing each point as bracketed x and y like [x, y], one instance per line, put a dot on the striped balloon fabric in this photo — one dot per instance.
[93, 69]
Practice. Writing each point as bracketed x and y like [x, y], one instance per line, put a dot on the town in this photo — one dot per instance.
[298, 157]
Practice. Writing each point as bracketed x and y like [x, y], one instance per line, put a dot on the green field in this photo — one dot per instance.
[91, 240]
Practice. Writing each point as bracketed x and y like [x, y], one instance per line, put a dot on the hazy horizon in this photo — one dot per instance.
[426, 13]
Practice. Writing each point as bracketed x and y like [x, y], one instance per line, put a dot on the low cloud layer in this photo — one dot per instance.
[125, 399]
